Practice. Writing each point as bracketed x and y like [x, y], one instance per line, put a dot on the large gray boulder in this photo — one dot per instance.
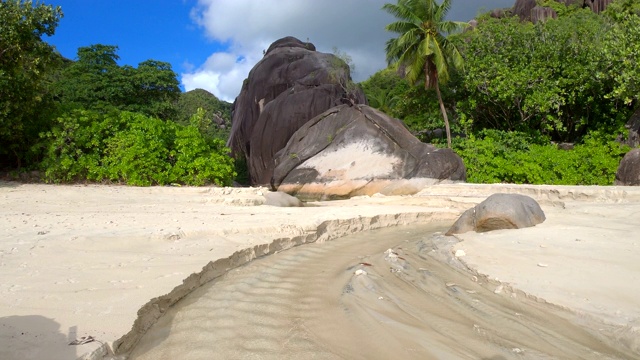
[499, 211]
[358, 150]
[628, 173]
[290, 85]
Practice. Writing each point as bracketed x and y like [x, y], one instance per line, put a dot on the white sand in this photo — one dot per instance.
[83, 260]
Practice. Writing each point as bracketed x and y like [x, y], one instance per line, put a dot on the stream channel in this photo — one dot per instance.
[394, 293]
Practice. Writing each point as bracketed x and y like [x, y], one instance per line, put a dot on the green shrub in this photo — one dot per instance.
[133, 149]
[73, 147]
[510, 157]
[199, 160]
[138, 155]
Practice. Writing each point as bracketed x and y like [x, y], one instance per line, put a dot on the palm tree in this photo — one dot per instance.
[422, 47]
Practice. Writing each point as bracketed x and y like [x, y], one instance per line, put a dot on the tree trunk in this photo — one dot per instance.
[444, 115]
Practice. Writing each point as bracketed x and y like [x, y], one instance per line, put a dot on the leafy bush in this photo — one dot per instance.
[133, 149]
[199, 160]
[543, 77]
[190, 102]
[511, 157]
[138, 155]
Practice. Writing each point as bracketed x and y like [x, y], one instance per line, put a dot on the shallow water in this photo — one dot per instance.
[412, 302]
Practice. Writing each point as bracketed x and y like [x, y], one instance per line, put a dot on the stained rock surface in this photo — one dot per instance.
[500, 211]
[358, 150]
[292, 84]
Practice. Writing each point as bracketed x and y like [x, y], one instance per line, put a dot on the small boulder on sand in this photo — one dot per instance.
[499, 211]
[281, 199]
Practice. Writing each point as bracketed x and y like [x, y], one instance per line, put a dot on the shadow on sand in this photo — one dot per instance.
[34, 337]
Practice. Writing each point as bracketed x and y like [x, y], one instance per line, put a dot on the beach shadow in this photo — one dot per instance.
[9, 184]
[33, 337]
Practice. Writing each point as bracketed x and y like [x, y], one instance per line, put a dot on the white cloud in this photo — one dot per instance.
[355, 27]
[221, 74]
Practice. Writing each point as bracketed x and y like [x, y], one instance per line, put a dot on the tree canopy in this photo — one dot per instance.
[24, 61]
[539, 77]
[95, 80]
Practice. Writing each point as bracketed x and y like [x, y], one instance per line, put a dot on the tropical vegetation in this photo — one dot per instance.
[524, 88]
[519, 102]
[90, 119]
[422, 48]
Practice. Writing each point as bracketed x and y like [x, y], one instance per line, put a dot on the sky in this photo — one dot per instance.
[213, 44]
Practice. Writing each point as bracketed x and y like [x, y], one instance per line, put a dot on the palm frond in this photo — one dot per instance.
[422, 45]
[401, 11]
[451, 27]
[401, 27]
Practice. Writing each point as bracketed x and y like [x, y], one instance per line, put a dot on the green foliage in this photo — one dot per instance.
[214, 109]
[383, 90]
[619, 10]
[198, 159]
[620, 50]
[542, 77]
[242, 171]
[339, 71]
[96, 81]
[422, 45]
[345, 57]
[133, 149]
[416, 107]
[24, 61]
[138, 154]
[561, 9]
[511, 157]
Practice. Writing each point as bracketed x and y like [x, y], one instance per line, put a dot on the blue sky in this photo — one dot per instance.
[212, 44]
[142, 29]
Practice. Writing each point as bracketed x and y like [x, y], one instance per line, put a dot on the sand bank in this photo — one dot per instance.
[108, 261]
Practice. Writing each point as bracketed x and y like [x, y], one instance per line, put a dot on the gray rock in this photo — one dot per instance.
[529, 10]
[358, 150]
[278, 198]
[628, 173]
[290, 85]
[633, 127]
[499, 211]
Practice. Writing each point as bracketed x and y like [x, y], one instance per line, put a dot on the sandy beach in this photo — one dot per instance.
[129, 266]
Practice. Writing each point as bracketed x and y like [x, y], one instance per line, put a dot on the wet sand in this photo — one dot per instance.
[113, 262]
[385, 294]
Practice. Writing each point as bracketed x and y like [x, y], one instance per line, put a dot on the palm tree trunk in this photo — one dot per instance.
[444, 115]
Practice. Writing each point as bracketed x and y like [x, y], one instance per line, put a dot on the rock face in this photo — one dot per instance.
[499, 211]
[289, 86]
[531, 11]
[358, 150]
[628, 173]
[633, 126]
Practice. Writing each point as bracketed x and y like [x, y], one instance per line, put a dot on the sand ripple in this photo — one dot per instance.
[385, 294]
